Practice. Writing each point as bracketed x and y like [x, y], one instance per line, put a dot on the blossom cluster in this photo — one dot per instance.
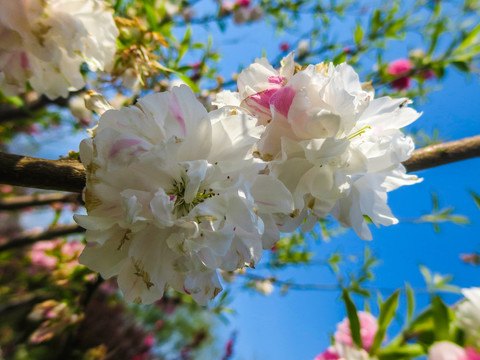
[175, 193]
[45, 42]
[336, 148]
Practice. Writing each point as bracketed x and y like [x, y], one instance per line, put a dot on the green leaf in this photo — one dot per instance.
[387, 312]
[475, 198]
[189, 82]
[435, 201]
[358, 34]
[459, 219]
[440, 319]
[151, 16]
[427, 275]
[117, 5]
[439, 28]
[352, 319]
[410, 302]
[15, 100]
[184, 44]
[470, 39]
[404, 352]
[376, 21]
[422, 327]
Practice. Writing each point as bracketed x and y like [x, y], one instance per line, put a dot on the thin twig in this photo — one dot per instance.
[325, 287]
[445, 153]
[53, 232]
[25, 201]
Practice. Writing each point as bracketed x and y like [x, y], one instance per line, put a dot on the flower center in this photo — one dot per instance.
[358, 132]
[181, 207]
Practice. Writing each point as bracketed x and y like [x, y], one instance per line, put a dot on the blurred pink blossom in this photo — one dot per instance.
[6, 188]
[329, 354]
[72, 248]
[43, 261]
[368, 329]
[40, 259]
[285, 46]
[243, 3]
[471, 354]
[398, 68]
[226, 7]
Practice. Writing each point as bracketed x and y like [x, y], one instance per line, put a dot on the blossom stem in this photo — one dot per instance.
[69, 175]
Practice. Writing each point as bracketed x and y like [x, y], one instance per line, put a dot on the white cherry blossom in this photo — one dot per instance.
[468, 315]
[45, 42]
[334, 147]
[168, 196]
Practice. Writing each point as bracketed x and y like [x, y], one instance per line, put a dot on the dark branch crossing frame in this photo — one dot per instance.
[69, 175]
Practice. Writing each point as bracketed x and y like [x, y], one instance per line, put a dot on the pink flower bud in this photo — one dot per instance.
[398, 68]
[284, 47]
[243, 3]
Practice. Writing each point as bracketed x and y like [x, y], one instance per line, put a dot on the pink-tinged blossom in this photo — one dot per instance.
[368, 329]
[122, 144]
[256, 85]
[281, 100]
[398, 68]
[331, 144]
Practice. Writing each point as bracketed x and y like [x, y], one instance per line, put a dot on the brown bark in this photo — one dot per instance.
[445, 153]
[69, 175]
[62, 175]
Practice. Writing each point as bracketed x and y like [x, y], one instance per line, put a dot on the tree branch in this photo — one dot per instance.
[69, 175]
[62, 175]
[53, 232]
[445, 153]
[25, 201]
